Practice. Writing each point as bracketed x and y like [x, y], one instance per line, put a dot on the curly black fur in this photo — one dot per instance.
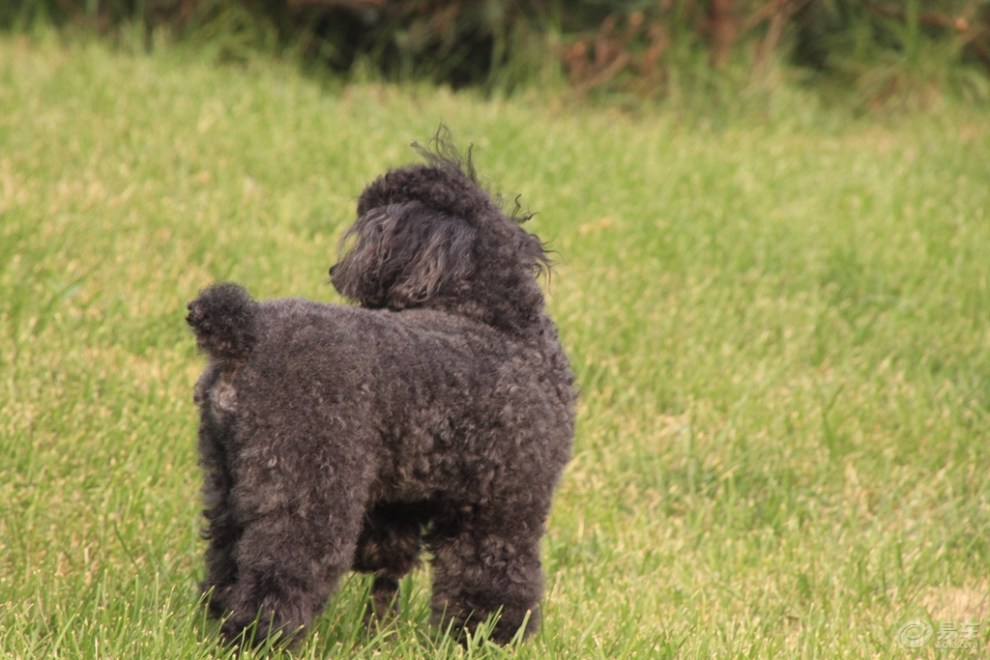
[438, 413]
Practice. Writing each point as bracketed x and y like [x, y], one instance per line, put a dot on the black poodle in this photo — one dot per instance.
[438, 413]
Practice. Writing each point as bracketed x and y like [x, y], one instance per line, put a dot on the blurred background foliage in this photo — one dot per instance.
[882, 50]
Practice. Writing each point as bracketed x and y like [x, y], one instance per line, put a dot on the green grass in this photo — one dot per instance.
[779, 323]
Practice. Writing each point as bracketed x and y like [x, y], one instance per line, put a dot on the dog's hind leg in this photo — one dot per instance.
[303, 513]
[389, 548]
[221, 533]
[222, 530]
[490, 564]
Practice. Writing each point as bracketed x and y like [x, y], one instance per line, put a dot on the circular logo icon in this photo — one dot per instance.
[915, 634]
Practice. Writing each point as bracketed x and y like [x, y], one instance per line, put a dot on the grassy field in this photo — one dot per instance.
[779, 323]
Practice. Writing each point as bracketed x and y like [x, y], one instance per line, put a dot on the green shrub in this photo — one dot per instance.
[881, 50]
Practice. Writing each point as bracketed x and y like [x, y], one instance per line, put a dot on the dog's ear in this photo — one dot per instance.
[402, 255]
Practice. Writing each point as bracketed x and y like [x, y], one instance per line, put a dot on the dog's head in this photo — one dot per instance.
[429, 235]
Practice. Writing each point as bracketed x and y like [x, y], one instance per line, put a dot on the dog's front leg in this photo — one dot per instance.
[489, 565]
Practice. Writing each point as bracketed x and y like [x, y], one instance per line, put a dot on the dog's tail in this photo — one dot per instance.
[223, 318]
